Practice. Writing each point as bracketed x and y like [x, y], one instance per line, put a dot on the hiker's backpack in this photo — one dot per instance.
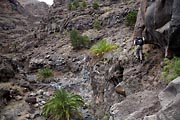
[139, 41]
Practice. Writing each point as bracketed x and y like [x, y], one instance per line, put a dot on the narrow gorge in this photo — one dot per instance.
[86, 47]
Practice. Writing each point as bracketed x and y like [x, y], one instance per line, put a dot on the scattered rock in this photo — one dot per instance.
[31, 100]
[120, 90]
[93, 35]
[28, 116]
[40, 92]
[18, 97]
[56, 62]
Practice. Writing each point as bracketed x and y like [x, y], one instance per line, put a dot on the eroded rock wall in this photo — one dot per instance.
[12, 23]
[158, 22]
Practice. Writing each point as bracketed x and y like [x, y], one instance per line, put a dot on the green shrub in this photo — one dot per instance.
[166, 61]
[95, 5]
[97, 25]
[176, 65]
[163, 74]
[106, 116]
[45, 73]
[63, 106]
[78, 41]
[166, 68]
[102, 47]
[84, 3]
[69, 5]
[73, 7]
[172, 76]
[73, 4]
[131, 18]
[171, 68]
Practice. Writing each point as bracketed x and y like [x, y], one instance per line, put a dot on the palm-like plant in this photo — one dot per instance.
[102, 47]
[63, 105]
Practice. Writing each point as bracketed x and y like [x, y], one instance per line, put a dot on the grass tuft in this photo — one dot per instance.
[45, 73]
[102, 47]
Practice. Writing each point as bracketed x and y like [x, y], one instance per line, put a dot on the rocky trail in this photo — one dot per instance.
[34, 35]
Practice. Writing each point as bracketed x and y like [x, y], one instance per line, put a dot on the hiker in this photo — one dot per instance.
[139, 41]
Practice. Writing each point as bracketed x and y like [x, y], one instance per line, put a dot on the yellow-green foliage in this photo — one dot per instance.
[106, 117]
[102, 47]
[78, 41]
[63, 106]
[84, 3]
[97, 25]
[131, 18]
[44, 73]
[171, 69]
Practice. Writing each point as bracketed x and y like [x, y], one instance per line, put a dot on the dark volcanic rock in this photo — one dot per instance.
[31, 100]
[7, 68]
[174, 41]
[161, 28]
[5, 95]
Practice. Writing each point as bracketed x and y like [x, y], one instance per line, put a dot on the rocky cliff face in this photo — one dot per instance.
[158, 22]
[35, 8]
[12, 24]
[18, 21]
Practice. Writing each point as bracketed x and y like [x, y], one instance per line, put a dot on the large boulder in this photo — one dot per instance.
[136, 106]
[174, 41]
[159, 22]
[170, 102]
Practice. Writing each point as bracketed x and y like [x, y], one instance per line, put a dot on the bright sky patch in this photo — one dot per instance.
[49, 2]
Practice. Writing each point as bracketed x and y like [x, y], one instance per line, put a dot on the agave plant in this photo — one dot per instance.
[63, 106]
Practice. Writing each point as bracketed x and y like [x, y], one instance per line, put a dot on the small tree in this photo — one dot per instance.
[131, 18]
[78, 41]
[97, 25]
[63, 106]
[73, 4]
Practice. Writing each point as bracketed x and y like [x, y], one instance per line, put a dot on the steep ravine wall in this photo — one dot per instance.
[158, 22]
